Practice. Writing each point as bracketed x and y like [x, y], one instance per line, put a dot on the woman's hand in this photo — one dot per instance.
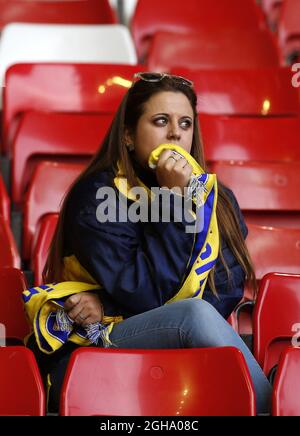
[173, 171]
[84, 308]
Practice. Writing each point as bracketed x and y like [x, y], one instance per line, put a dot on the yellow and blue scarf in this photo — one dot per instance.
[45, 304]
[51, 325]
[206, 242]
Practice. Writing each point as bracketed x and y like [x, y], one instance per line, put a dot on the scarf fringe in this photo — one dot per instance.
[196, 189]
[96, 332]
[63, 321]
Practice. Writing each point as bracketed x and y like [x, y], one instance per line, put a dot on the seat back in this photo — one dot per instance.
[65, 43]
[251, 138]
[157, 15]
[267, 191]
[217, 49]
[157, 382]
[274, 249]
[9, 255]
[22, 391]
[12, 315]
[269, 253]
[49, 185]
[58, 137]
[272, 10]
[289, 29]
[4, 201]
[44, 237]
[262, 186]
[62, 12]
[63, 88]
[247, 92]
[286, 391]
[275, 314]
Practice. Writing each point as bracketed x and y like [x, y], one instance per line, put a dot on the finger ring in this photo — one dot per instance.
[82, 317]
[175, 153]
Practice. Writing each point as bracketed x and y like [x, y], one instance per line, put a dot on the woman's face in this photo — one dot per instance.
[168, 118]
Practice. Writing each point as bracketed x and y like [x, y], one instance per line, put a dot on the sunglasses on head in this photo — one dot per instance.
[157, 77]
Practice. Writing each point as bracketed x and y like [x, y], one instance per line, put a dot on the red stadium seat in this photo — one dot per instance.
[276, 312]
[262, 185]
[274, 249]
[70, 88]
[127, 382]
[289, 29]
[45, 234]
[49, 184]
[232, 320]
[268, 193]
[9, 255]
[12, 314]
[272, 10]
[261, 91]
[22, 391]
[217, 49]
[251, 138]
[269, 254]
[209, 15]
[4, 202]
[42, 136]
[286, 392]
[57, 12]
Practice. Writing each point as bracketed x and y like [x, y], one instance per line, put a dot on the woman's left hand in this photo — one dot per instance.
[84, 308]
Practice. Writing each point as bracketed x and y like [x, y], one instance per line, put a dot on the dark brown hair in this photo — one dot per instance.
[113, 149]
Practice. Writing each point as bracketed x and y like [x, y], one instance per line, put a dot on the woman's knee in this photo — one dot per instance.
[202, 325]
[196, 309]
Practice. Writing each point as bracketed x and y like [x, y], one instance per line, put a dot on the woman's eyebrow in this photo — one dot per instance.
[161, 113]
[167, 115]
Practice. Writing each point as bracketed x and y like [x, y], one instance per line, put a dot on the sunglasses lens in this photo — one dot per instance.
[183, 81]
[151, 77]
[156, 77]
[188, 83]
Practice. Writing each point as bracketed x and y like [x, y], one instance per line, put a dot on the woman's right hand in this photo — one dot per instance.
[84, 308]
[173, 171]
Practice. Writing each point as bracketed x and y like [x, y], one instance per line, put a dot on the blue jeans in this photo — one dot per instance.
[188, 323]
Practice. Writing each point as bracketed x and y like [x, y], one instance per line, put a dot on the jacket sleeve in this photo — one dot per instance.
[140, 265]
[230, 292]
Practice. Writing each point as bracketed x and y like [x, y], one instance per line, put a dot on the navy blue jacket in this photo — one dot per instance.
[140, 265]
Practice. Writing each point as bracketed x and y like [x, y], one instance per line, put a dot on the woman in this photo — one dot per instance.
[141, 266]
